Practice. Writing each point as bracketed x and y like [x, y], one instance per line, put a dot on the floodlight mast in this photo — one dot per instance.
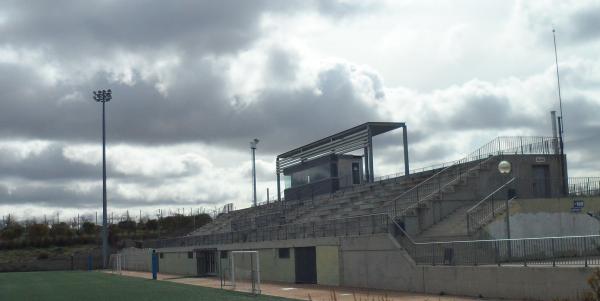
[104, 96]
[253, 144]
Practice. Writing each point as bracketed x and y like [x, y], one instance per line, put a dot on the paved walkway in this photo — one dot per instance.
[303, 291]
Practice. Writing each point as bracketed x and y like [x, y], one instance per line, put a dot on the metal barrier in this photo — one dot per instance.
[486, 210]
[583, 186]
[351, 226]
[547, 251]
[457, 170]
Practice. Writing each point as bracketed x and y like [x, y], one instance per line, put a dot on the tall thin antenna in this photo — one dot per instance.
[561, 124]
[558, 80]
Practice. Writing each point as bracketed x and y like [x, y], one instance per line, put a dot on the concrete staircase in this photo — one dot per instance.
[452, 227]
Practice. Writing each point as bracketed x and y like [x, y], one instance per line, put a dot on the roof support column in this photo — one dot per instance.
[405, 147]
[366, 168]
[370, 145]
[278, 184]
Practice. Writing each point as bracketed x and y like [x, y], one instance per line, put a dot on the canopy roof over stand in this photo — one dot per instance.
[356, 138]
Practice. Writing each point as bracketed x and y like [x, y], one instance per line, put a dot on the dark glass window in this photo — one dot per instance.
[223, 254]
[310, 175]
[190, 254]
[284, 253]
[162, 255]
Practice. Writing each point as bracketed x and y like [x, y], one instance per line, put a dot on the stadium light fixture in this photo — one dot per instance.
[253, 144]
[504, 167]
[104, 96]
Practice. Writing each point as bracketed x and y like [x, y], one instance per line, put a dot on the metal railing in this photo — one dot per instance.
[583, 186]
[499, 146]
[351, 226]
[486, 210]
[427, 189]
[547, 251]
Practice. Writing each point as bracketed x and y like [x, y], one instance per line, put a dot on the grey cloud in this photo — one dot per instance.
[196, 109]
[67, 28]
[59, 195]
[486, 111]
[48, 165]
[586, 23]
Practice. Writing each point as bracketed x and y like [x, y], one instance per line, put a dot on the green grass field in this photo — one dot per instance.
[80, 285]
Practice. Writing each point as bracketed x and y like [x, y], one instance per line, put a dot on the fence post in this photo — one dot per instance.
[553, 255]
[496, 252]
[468, 223]
[476, 253]
[585, 251]
[372, 224]
[346, 225]
[524, 252]
[432, 254]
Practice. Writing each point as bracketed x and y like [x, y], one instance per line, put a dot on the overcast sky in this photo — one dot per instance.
[194, 81]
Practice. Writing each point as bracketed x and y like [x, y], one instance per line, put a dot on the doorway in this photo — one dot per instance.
[355, 173]
[541, 181]
[306, 265]
[206, 262]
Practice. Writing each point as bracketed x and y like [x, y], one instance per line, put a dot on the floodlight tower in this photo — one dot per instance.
[104, 96]
[253, 144]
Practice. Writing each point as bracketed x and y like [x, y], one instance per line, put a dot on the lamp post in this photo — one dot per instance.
[104, 96]
[504, 167]
[253, 144]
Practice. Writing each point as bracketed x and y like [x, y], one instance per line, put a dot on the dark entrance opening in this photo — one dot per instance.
[206, 262]
[541, 181]
[306, 265]
[355, 173]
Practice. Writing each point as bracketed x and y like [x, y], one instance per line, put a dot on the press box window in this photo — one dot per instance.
[284, 253]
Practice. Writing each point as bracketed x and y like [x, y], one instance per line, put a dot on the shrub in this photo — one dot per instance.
[11, 232]
[37, 231]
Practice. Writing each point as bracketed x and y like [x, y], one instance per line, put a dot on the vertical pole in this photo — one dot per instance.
[253, 175]
[267, 195]
[278, 180]
[258, 271]
[154, 265]
[370, 139]
[104, 217]
[585, 253]
[405, 142]
[553, 255]
[366, 159]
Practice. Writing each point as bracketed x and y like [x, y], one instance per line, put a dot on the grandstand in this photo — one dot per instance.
[427, 230]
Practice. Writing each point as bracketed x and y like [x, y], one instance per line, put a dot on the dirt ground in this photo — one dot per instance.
[303, 291]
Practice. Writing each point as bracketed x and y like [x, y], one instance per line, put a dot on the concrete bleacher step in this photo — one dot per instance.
[455, 224]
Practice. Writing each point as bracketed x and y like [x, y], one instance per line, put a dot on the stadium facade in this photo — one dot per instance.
[459, 227]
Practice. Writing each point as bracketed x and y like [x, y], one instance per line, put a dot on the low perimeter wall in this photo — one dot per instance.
[379, 262]
[376, 262]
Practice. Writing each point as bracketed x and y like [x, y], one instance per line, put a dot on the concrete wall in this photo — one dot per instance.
[547, 217]
[134, 259]
[536, 283]
[177, 263]
[272, 268]
[328, 265]
[379, 262]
